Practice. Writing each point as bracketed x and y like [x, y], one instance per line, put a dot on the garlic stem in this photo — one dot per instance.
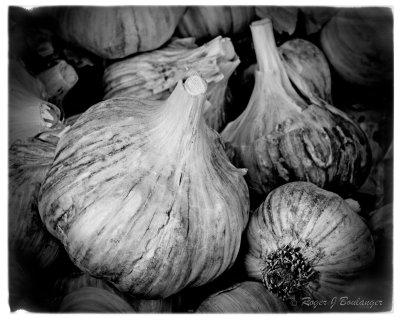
[264, 45]
[269, 61]
[187, 100]
[195, 85]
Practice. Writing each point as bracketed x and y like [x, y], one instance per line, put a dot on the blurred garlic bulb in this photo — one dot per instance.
[29, 240]
[358, 42]
[307, 68]
[207, 22]
[94, 300]
[29, 112]
[243, 297]
[58, 80]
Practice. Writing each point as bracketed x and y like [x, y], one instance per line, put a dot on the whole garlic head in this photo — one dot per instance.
[284, 136]
[142, 194]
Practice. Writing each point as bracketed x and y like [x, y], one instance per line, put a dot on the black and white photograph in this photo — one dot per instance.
[193, 159]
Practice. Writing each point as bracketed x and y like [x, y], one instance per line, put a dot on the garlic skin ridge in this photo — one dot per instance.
[282, 136]
[169, 215]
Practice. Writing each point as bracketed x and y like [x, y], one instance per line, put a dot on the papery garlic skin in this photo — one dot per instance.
[282, 136]
[144, 198]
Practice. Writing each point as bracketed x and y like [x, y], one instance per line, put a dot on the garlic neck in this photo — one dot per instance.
[180, 120]
[270, 65]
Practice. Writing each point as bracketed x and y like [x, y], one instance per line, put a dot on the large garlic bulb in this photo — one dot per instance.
[283, 136]
[141, 193]
[305, 242]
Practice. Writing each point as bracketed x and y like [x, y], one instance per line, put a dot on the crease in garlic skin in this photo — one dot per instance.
[161, 189]
[283, 136]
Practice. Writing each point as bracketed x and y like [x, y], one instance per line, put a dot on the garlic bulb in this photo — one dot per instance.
[64, 285]
[58, 80]
[168, 305]
[358, 42]
[94, 300]
[283, 136]
[307, 68]
[316, 17]
[284, 18]
[153, 75]
[141, 194]
[243, 297]
[29, 161]
[113, 32]
[381, 223]
[207, 22]
[29, 113]
[307, 242]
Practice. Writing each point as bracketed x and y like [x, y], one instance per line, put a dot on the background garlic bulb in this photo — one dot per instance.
[114, 32]
[29, 240]
[207, 22]
[358, 43]
[283, 136]
[243, 297]
[94, 300]
[29, 112]
[141, 193]
[153, 75]
[307, 68]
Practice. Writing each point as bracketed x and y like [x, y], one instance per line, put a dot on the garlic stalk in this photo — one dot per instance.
[153, 75]
[141, 194]
[283, 136]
